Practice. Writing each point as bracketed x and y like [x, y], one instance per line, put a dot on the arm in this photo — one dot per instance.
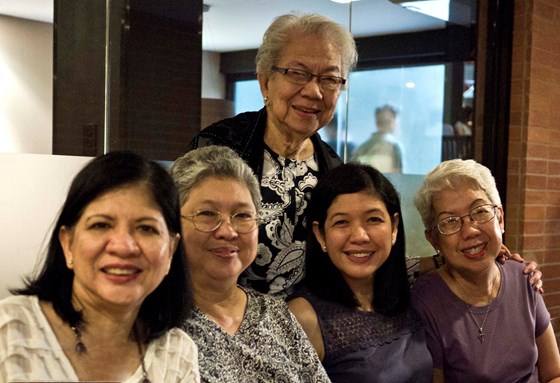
[548, 361]
[307, 318]
[437, 376]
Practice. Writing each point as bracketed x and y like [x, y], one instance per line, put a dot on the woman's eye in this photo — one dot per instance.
[98, 225]
[375, 219]
[148, 229]
[245, 215]
[340, 222]
[207, 213]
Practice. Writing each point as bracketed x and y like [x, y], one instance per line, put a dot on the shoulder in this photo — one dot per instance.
[512, 267]
[241, 120]
[426, 287]
[175, 337]
[17, 308]
[303, 310]
[265, 301]
[232, 132]
[174, 352]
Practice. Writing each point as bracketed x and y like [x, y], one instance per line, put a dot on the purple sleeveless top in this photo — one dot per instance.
[364, 347]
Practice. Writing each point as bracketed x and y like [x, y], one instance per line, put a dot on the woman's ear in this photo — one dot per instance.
[395, 228]
[65, 236]
[174, 242]
[433, 239]
[263, 84]
[319, 235]
[501, 220]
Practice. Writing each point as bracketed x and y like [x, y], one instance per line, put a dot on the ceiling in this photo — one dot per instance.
[231, 25]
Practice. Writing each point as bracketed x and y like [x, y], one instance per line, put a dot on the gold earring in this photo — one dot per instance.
[325, 248]
[266, 100]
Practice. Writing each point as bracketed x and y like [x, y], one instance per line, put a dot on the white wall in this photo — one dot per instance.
[213, 82]
[33, 189]
[26, 86]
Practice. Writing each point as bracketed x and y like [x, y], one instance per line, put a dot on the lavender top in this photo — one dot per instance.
[515, 319]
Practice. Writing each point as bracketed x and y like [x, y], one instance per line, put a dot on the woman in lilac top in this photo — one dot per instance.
[484, 322]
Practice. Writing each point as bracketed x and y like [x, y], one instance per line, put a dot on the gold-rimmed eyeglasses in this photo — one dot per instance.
[480, 214]
[210, 220]
[301, 77]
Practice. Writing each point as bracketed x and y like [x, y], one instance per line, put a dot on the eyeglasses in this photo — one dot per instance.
[210, 220]
[302, 77]
[480, 214]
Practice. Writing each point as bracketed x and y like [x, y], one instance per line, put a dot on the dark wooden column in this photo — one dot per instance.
[152, 63]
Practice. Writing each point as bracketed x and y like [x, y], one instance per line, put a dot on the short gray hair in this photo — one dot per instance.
[284, 27]
[222, 162]
[450, 175]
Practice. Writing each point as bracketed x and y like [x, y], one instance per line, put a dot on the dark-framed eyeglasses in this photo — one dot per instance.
[480, 214]
[210, 220]
[302, 77]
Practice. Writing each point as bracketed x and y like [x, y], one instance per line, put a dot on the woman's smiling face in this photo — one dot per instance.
[120, 249]
[476, 245]
[358, 234]
[223, 253]
[301, 110]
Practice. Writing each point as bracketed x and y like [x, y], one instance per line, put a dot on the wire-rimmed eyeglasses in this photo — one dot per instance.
[480, 214]
[302, 77]
[210, 220]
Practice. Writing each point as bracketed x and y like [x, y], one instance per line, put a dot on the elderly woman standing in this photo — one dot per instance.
[242, 335]
[113, 286]
[484, 321]
[302, 66]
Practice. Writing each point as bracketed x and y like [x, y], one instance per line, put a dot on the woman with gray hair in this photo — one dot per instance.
[465, 303]
[242, 335]
[302, 67]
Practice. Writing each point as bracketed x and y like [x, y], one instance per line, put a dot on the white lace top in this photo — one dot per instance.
[30, 352]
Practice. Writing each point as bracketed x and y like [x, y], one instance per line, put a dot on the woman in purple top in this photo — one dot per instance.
[484, 322]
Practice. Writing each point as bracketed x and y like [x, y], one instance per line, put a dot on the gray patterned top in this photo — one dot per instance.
[270, 346]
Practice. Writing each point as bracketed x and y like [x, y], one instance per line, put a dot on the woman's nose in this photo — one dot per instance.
[312, 89]
[359, 234]
[226, 229]
[123, 242]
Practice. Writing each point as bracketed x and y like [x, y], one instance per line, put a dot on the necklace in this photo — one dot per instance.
[81, 348]
[480, 328]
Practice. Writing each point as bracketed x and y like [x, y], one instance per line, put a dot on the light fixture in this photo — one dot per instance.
[343, 1]
[434, 8]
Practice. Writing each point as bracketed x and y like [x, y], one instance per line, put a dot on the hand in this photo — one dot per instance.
[531, 267]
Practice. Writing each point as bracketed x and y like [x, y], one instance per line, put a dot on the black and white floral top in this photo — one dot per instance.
[286, 188]
[270, 346]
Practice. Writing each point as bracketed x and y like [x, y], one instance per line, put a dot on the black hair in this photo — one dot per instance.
[170, 303]
[322, 278]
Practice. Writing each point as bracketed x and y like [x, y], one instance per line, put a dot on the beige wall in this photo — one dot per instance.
[34, 189]
[26, 89]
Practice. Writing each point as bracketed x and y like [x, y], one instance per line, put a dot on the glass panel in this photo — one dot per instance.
[416, 94]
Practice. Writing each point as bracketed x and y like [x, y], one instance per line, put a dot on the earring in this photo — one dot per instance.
[325, 248]
[503, 231]
[266, 100]
[70, 262]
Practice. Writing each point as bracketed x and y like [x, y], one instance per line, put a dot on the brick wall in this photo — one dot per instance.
[533, 190]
